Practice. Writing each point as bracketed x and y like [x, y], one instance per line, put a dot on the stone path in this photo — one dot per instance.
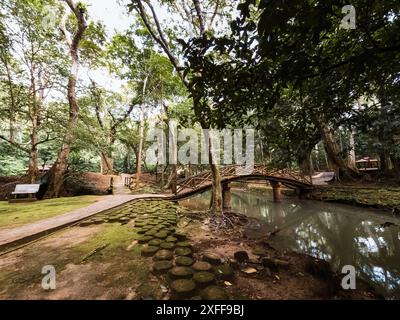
[22, 234]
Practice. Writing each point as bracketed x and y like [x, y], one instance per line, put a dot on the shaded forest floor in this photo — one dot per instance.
[107, 257]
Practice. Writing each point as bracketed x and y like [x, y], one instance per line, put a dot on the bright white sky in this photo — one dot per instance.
[112, 14]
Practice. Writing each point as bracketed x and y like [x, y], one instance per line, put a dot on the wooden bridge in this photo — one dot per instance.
[203, 181]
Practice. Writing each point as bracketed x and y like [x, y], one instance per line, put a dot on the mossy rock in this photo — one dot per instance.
[144, 239]
[140, 224]
[183, 244]
[214, 293]
[124, 220]
[163, 255]
[167, 245]
[161, 235]
[149, 251]
[180, 273]
[180, 236]
[150, 232]
[184, 261]
[202, 266]
[162, 266]
[204, 278]
[183, 252]
[224, 271]
[140, 230]
[155, 242]
[171, 239]
[183, 288]
[212, 258]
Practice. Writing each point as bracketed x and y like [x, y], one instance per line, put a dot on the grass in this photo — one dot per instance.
[16, 214]
[375, 197]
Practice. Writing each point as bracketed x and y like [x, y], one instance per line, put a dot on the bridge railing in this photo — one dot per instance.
[230, 171]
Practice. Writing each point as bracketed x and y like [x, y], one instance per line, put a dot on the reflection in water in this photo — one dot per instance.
[340, 234]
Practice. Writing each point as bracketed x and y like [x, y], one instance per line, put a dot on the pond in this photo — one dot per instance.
[342, 234]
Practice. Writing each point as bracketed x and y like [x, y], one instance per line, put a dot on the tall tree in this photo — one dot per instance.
[73, 41]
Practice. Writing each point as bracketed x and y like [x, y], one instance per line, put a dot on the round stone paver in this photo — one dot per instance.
[180, 273]
[183, 252]
[183, 288]
[167, 245]
[184, 261]
[149, 251]
[212, 258]
[163, 255]
[201, 266]
[204, 278]
[214, 293]
[162, 266]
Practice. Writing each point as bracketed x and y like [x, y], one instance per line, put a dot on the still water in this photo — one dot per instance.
[341, 234]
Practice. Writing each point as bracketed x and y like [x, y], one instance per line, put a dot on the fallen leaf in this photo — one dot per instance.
[249, 270]
[163, 288]
[277, 277]
[227, 283]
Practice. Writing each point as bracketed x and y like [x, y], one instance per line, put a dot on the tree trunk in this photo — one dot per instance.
[342, 170]
[61, 165]
[139, 149]
[106, 164]
[352, 154]
[306, 163]
[396, 164]
[216, 204]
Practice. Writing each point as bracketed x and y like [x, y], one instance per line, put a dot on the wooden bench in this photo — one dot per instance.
[28, 191]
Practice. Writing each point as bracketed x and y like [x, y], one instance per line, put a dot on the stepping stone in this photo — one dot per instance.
[140, 224]
[183, 244]
[204, 278]
[154, 242]
[201, 266]
[180, 236]
[171, 239]
[183, 252]
[212, 258]
[124, 220]
[163, 255]
[167, 245]
[224, 271]
[144, 239]
[180, 273]
[184, 261]
[161, 235]
[183, 288]
[150, 233]
[149, 251]
[162, 266]
[214, 293]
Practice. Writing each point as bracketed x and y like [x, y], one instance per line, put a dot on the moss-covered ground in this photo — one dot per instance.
[16, 214]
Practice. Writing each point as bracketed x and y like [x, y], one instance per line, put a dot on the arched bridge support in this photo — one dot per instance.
[276, 191]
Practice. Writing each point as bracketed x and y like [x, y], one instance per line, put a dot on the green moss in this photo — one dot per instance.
[375, 197]
[15, 214]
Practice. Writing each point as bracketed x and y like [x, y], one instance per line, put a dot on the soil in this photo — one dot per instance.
[103, 260]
